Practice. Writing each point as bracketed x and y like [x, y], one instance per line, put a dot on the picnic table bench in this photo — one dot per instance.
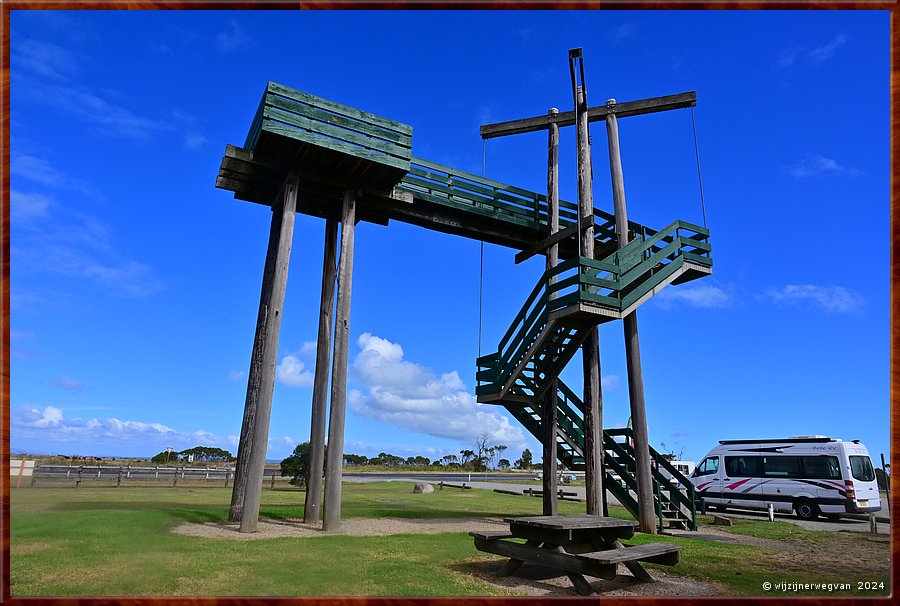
[578, 545]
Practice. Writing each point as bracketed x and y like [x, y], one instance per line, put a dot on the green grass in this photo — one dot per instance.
[107, 541]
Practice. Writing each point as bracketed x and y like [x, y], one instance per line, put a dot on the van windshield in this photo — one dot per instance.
[861, 468]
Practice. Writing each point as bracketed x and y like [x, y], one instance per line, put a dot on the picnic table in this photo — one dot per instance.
[578, 545]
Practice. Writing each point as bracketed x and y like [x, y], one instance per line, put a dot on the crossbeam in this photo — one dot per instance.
[595, 114]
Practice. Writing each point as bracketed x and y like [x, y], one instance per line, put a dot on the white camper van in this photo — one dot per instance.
[810, 475]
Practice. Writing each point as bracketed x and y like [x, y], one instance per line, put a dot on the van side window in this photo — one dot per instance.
[823, 467]
[743, 467]
[708, 466]
[782, 467]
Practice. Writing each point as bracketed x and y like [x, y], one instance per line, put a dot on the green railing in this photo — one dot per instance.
[461, 190]
[614, 283]
[678, 490]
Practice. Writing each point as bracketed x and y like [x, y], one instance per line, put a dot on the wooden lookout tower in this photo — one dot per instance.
[310, 155]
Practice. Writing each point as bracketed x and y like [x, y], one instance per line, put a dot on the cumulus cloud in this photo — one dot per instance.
[703, 296]
[814, 165]
[610, 381]
[411, 396]
[49, 425]
[834, 299]
[293, 372]
[236, 375]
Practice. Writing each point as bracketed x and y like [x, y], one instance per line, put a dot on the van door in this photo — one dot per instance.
[783, 484]
[740, 484]
[708, 481]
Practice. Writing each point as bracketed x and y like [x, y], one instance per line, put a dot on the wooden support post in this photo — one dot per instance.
[251, 400]
[590, 349]
[335, 459]
[632, 343]
[270, 311]
[548, 414]
[312, 507]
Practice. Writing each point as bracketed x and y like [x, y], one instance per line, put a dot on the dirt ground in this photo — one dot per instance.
[530, 580]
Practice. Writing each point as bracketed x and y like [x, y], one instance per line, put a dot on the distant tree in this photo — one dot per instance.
[297, 464]
[503, 464]
[481, 450]
[498, 449]
[164, 458]
[525, 461]
[207, 454]
[448, 459]
[355, 460]
[466, 455]
[882, 478]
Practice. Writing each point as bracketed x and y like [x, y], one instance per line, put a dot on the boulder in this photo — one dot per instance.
[422, 488]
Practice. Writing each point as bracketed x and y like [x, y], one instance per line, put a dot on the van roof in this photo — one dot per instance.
[780, 441]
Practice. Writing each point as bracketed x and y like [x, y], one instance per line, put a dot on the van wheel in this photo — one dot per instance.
[806, 509]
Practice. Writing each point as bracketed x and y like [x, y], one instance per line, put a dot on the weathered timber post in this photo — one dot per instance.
[270, 310]
[632, 344]
[251, 401]
[335, 459]
[311, 509]
[590, 349]
[548, 416]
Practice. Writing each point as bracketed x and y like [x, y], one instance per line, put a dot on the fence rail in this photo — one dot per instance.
[125, 475]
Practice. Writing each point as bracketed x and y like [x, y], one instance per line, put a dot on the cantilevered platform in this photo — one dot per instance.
[333, 147]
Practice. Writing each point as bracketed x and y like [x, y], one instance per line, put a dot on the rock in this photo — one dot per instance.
[722, 521]
[423, 488]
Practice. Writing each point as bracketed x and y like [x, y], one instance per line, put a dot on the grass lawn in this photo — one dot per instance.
[108, 541]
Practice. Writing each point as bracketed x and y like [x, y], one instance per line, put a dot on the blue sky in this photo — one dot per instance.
[135, 282]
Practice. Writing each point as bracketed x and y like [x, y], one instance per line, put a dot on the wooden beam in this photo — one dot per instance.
[271, 310]
[554, 239]
[312, 507]
[590, 348]
[622, 110]
[646, 510]
[548, 414]
[334, 462]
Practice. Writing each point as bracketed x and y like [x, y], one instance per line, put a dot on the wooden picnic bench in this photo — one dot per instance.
[578, 545]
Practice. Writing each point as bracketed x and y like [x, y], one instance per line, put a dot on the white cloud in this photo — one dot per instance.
[789, 57]
[835, 299]
[49, 425]
[308, 348]
[410, 396]
[813, 165]
[69, 384]
[626, 30]
[232, 39]
[110, 118]
[45, 59]
[69, 242]
[25, 207]
[610, 381]
[704, 296]
[236, 375]
[293, 372]
[823, 53]
[40, 171]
